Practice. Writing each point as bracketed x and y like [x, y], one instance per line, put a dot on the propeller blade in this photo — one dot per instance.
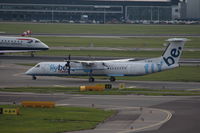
[68, 64]
[69, 70]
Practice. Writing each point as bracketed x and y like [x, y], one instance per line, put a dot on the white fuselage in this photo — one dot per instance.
[112, 68]
[101, 68]
[21, 44]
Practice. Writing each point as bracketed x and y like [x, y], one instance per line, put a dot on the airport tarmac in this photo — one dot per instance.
[145, 114]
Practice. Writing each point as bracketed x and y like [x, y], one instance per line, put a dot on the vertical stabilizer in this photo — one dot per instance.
[174, 50]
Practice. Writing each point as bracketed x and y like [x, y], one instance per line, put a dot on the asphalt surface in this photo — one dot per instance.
[185, 118]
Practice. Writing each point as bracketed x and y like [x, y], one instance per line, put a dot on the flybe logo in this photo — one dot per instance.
[170, 60]
[59, 68]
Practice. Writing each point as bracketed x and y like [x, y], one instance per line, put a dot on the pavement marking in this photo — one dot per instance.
[59, 85]
[125, 98]
[197, 89]
[20, 75]
[63, 104]
[169, 115]
[132, 87]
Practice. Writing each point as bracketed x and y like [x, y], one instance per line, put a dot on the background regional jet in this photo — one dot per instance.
[21, 44]
[113, 68]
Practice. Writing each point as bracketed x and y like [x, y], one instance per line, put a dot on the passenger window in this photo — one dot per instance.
[36, 41]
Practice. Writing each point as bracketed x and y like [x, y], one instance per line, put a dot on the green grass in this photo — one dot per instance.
[99, 28]
[26, 64]
[147, 92]
[127, 54]
[52, 120]
[130, 42]
[42, 89]
[181, 74]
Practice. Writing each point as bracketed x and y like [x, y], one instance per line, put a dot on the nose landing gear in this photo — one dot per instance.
[112, 79]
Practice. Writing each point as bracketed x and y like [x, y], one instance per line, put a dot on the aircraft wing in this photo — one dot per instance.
[92, 65]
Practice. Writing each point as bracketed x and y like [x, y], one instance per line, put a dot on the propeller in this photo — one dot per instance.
[68, 63]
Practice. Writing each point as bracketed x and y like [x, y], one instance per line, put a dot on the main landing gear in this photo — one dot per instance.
[91, 79]
[112, 79]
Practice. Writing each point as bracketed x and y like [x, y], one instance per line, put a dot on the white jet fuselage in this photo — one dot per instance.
[18, 44]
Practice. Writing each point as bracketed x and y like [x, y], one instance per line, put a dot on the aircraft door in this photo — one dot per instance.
[130, 69]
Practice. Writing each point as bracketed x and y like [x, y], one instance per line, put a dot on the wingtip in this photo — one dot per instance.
[177, 40]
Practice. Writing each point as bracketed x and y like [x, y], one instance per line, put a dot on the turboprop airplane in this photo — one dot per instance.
[113, 68]
[21, 44]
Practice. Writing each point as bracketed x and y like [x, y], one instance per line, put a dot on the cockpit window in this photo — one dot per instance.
[37, 65]
[36, 41]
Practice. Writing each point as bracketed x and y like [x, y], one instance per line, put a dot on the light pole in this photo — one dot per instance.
[158, 14]
[52, 16]
[151, 14]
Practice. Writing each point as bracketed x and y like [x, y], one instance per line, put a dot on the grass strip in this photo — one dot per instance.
[99, 28]
[52, 120]
[128, 42]
[91, 53]
[180, 74]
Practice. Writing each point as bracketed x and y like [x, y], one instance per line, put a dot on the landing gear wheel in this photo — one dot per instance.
[34, 78]
[112, 79]
[91, 79]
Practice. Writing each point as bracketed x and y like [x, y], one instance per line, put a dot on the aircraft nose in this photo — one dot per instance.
[45, 46]
[29, 72]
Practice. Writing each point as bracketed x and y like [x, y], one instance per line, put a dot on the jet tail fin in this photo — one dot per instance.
[173, 52]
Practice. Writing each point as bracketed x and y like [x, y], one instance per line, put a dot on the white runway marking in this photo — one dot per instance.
[169, 115]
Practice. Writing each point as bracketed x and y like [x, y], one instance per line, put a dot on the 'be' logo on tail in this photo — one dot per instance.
[173, 54]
